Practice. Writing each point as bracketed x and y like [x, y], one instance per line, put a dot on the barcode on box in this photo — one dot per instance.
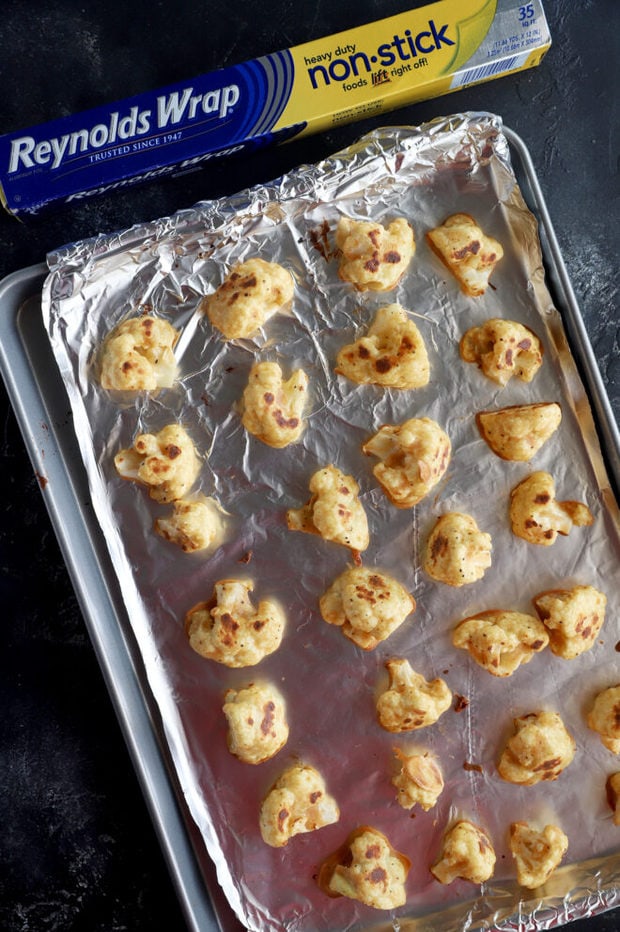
[492, 70]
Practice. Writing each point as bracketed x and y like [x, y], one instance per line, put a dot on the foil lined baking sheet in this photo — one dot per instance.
[456, 164]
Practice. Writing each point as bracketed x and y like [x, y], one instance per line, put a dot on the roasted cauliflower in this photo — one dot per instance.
[612, 789]
[366, 868]
[573, 618]
[467, 252]
[537, 517]
[604, 718]
[414, 456]
[419, 780]
[257, 725]
[391, 354]
[334, 511]
[297, 802]
[410, 702]
[252, 292]
[457, 551]
[500, 641]
[195, 524]
[165, 462]
[466, 853]
[138, 355]
[540, 749]
[503, 349]
[373, 257]
[272, 408]
[537, 853]
[518, 432]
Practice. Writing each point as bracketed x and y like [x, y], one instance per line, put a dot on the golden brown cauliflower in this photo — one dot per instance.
[419, 780]
[466, 853]
[518, 432]
[257, 725]
[366, 868]
[373, 257]
[367, 604]
[537, 517]
[272, 407]
[411, 702]
[414, 456]
[540, 749]
[334, 511]
[604, 718]
[165, 462]
[138, 355]
[573, 618]
[501, 349]
[457, 551]
[252, 292]
[194, 524]
[612, 789]
[230, 630]
[467, 252]
[297, 802]
[537, 853]
[391, 354]
[500, 641]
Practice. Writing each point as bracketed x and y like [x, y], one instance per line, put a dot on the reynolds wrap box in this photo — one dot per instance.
[359, 73]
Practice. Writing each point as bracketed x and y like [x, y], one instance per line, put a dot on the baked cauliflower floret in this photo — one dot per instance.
[518, 432]
[540, 749]
[194, 524]
[537, 517]
[273, 407]
[573, 618]
[468, 253]
[392, 353]
[297, 802]
[257, 725]
[334, 511]
[604, 718]
[537, 853]
[410, 702]
[366, 868]
[230, 630]
[165, 462]
[367, 604]
[466, 853]
[419, 781]
[414, 456]
[457, 551]
[612, 790]
[373, 257]
[252, 292]
[501, 349]
[500, 641]
[138, 355]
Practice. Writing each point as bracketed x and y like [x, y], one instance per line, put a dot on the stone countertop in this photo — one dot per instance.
[78, 849]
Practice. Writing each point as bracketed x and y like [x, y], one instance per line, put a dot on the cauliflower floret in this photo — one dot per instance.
[298, 802]
[252, 292]
[374, 257]
[419, 780]
[468, 253]
[518, 432]
[503, 348]
[466, 853]
[230, 630]
[537, 853]
[138, 355]
[537, 517]
[272, 408]
[392, 353]
[500, 641]
[194, 524]
[540, 749]
[612, 788]
[165, 462]
[334, 512]
[573, 618]
[414, 456]
[604, 718]
[257, 725]
[367, 604]
[410, 702]
[457, 551]
[366, 868]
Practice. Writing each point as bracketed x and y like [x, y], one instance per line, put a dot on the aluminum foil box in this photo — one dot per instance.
[358, 73]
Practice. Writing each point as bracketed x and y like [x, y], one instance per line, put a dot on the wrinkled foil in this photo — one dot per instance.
[454, 164]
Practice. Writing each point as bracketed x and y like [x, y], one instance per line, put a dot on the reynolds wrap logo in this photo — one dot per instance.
[171, 111]
[346, 62]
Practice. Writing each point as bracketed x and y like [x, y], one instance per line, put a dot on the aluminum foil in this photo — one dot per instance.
[454, 164]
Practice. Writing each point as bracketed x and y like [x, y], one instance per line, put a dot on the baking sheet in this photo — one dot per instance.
[345, 915]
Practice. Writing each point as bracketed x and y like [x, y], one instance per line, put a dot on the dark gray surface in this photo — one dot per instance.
[78, 849]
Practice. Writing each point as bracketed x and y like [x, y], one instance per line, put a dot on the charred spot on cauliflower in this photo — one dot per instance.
[368, 869]
[411, 702]
[367, 605]
[391, 354]
[334, 511]
[165, 462]
[500, 641]
[257, 724]
[457, 551]
[536, 516]
[537, 853]
[138, 355]
[467, 252]
[518, 432]
[419, 780]
[374, 257]
[230, 630]
[298, 802]
[604, 718]
[252, 292]
[272, 407]
[466, 854]
[503, 349]
[573, 618]
[413, 458]
[540, 749]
